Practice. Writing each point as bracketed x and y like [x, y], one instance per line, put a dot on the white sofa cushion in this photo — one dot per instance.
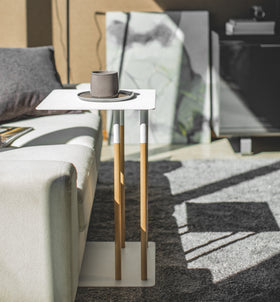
[84, 161]
[39, 231]
[79, 129]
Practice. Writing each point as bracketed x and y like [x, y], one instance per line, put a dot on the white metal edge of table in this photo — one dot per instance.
[67, 99]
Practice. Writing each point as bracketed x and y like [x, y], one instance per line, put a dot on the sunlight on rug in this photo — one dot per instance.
[232, 222]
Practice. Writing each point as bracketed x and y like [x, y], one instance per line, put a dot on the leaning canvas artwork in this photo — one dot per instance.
[168, 52]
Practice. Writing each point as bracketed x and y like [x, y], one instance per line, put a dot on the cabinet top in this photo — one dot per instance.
[249, 38]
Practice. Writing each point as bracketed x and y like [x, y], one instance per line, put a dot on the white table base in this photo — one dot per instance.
[98, 268]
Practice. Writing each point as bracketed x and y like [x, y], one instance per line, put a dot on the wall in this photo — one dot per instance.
[13, 23]
[60, 36]
[85, 36]
[39, 22]
[42, 22]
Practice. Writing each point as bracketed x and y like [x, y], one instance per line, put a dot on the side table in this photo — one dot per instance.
[134, 263]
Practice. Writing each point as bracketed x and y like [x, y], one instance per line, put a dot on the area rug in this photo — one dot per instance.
[215, 224]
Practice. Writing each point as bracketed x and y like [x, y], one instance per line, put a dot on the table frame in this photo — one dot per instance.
[119, 189]
[143, 100]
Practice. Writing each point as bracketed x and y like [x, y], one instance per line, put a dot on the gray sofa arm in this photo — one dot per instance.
[38, 231]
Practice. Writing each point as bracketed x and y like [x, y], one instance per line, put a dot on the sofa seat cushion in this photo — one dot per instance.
[82, 158]
[79, 129]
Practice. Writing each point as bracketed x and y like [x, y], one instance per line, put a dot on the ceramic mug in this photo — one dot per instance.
[104, 84]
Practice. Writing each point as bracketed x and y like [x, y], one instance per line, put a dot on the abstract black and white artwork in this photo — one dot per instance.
[168, 52]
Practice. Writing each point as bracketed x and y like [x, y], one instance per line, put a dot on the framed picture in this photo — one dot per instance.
[168, 52]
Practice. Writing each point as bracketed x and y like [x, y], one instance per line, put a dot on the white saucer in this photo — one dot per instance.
[123, 96]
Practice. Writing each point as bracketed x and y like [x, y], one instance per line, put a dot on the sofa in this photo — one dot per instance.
[47, 189]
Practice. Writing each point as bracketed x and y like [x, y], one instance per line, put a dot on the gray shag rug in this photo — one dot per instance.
[215, 224]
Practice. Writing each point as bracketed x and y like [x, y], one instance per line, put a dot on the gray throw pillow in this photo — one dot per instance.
[27, 75]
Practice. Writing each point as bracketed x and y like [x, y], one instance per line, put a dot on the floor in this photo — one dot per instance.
[208, 274]
[219, 149]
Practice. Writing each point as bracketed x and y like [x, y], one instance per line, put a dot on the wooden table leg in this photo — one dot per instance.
[144, 191]
[122, 179]
[117, 195]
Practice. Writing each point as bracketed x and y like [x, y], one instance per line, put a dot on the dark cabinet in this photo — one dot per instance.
[245, 85]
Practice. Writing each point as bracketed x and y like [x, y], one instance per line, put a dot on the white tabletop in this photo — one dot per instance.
[67, 99]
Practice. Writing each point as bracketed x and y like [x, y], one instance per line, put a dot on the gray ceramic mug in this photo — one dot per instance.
[104, 84]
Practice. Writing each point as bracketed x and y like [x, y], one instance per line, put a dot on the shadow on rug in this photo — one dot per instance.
[215, 224]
